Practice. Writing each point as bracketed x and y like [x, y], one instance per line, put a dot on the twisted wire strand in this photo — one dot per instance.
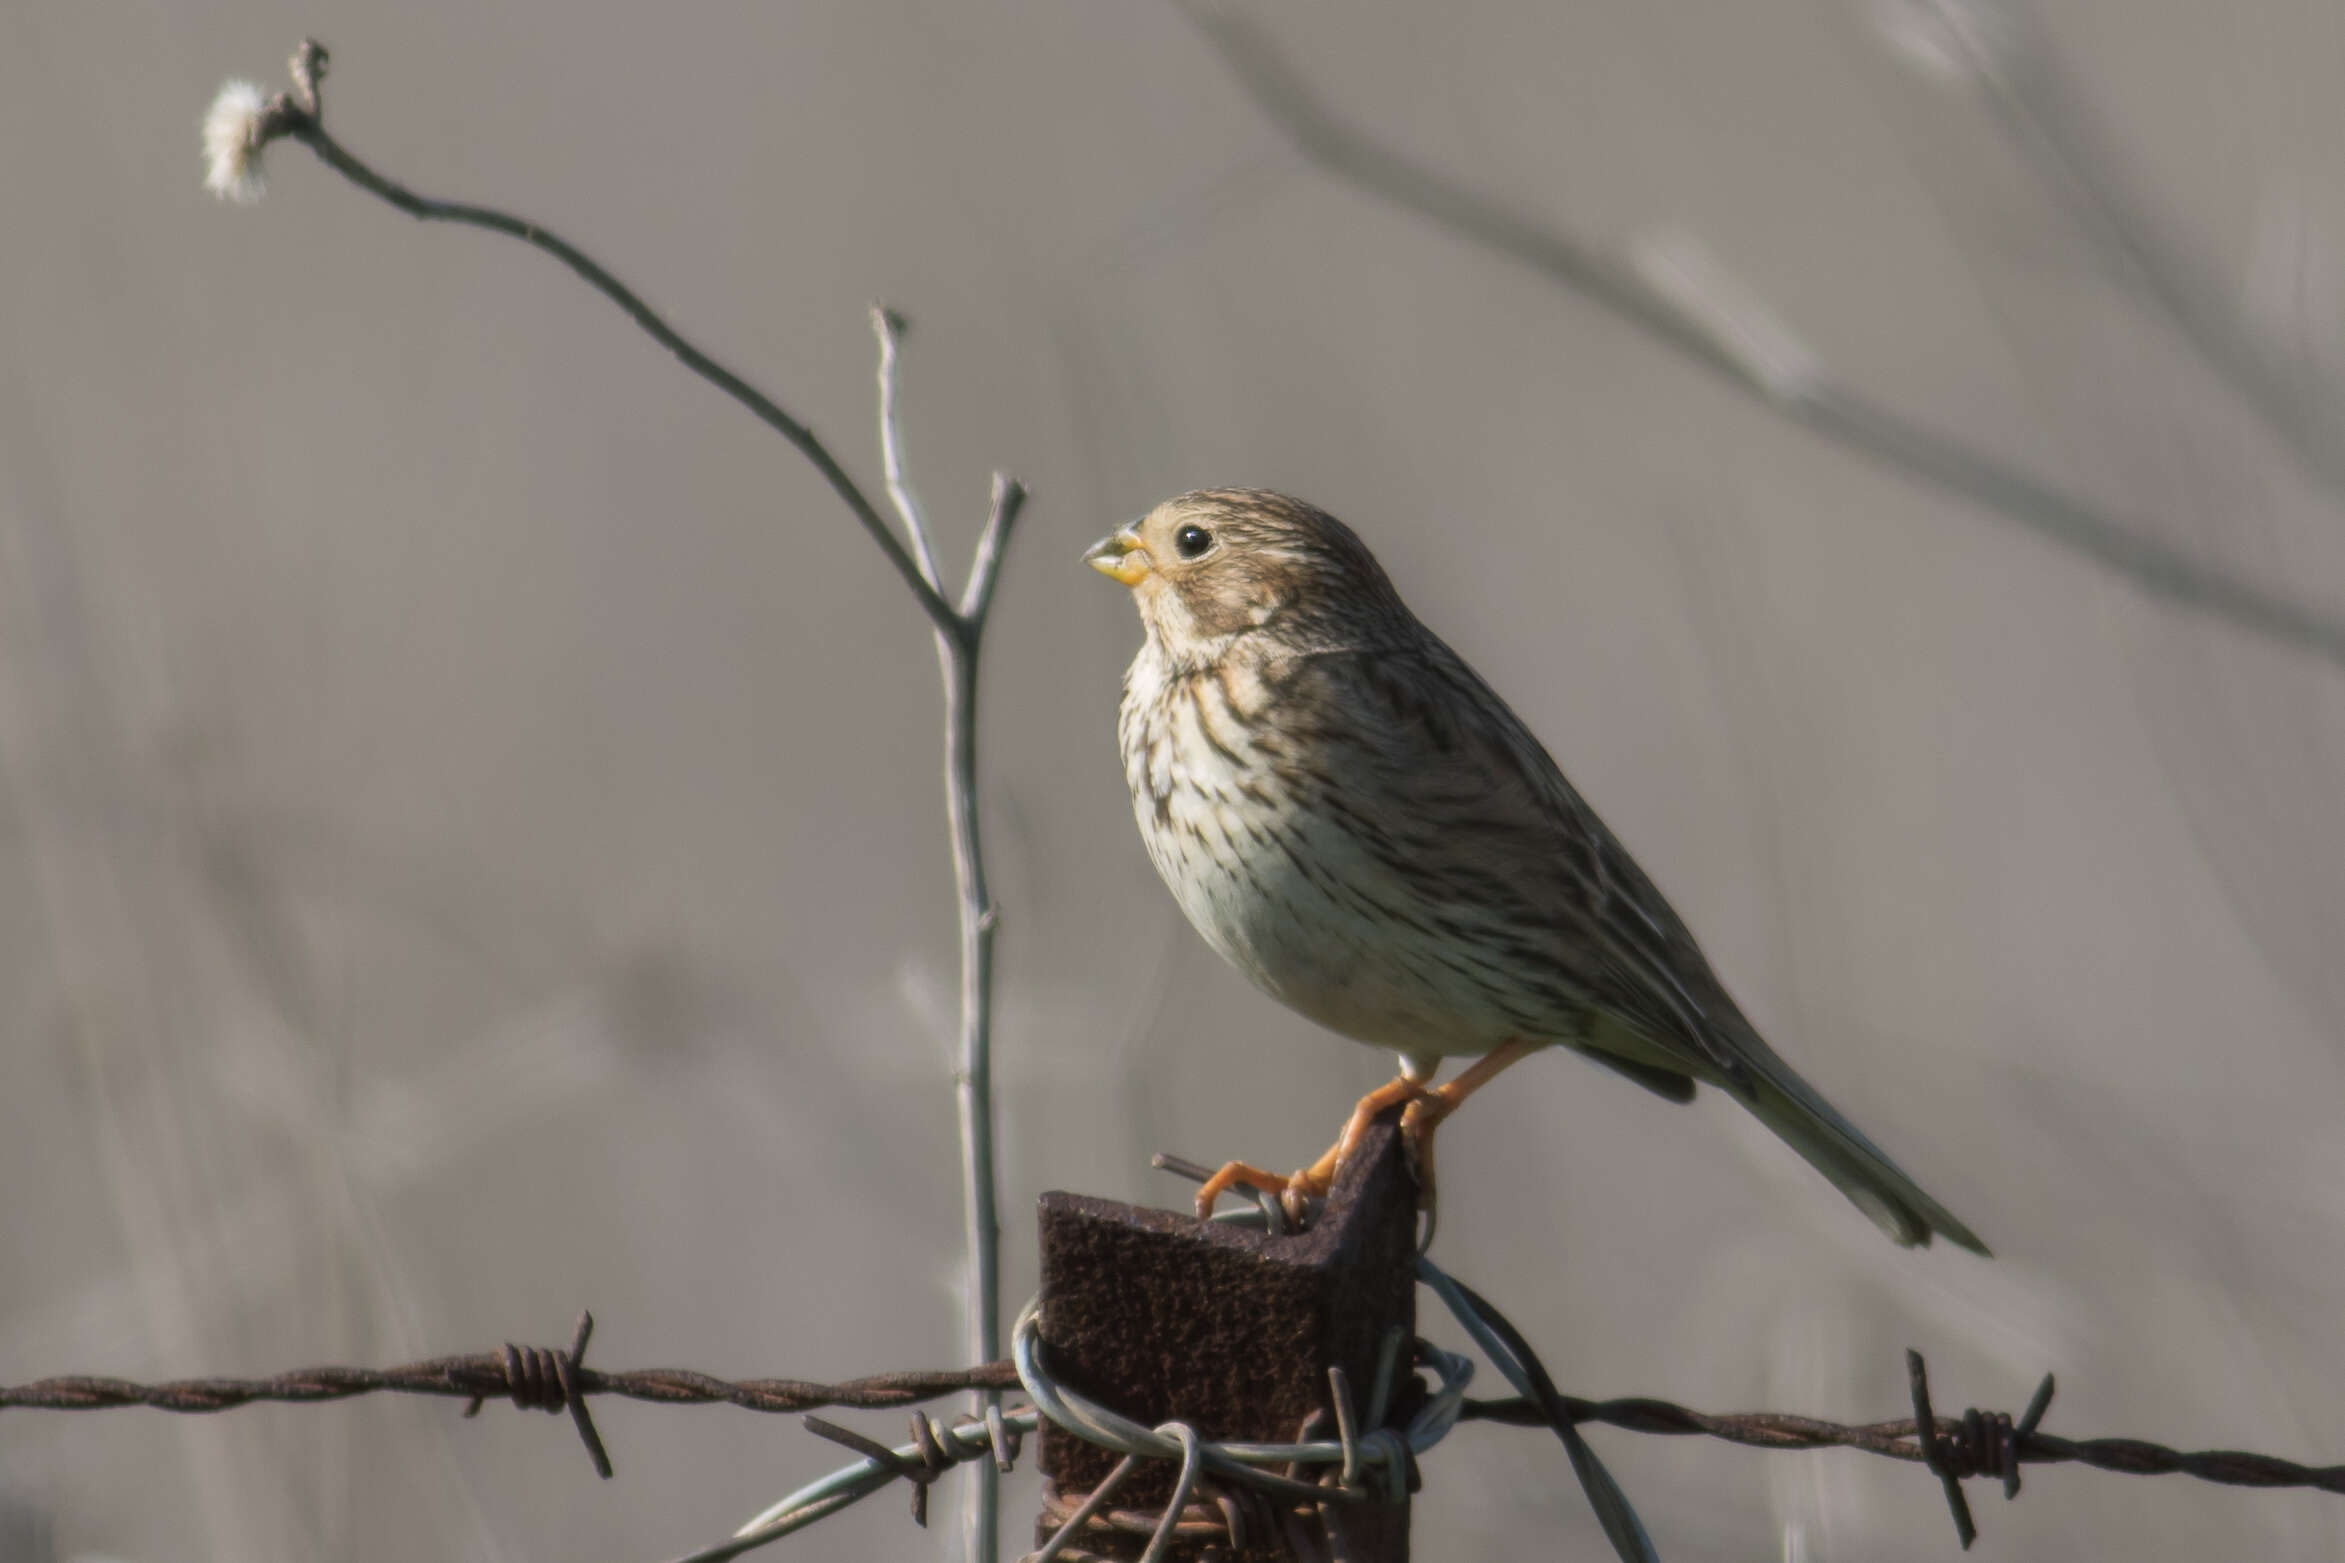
[1895, 1440]
[533, 1378]
[484, 1375]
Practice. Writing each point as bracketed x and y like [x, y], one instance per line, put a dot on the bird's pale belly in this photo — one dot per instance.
[1342, 943]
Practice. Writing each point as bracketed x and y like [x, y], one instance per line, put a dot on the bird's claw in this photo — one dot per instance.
[1423, 1107]
[1239, 1174]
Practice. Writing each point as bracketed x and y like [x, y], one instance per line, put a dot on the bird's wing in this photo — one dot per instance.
[1485, 821]
[1497, 848]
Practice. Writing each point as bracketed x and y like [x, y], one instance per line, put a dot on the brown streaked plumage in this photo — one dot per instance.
[1352, 818]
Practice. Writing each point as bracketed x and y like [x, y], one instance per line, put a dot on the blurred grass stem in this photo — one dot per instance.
[1815, 400]
[2043, 115]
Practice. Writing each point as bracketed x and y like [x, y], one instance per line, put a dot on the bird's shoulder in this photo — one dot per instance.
[1417, 719]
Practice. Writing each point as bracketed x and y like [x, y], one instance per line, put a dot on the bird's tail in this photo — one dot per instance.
[1833, 1146]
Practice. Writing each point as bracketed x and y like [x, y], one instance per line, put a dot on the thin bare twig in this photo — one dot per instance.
[300, 116]
[1812, 399]
[306, 124]
[890, 328]
[979, 920]
[957, 658]
[1009, 497]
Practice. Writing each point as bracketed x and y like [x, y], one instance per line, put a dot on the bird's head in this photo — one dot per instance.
[1209, 567]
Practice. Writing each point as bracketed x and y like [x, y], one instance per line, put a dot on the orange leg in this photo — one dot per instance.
[1428, 1108]
[1319, 1177]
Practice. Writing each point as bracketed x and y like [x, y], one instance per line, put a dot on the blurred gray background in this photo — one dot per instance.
[470, 829]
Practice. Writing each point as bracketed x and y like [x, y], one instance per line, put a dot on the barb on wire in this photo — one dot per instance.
[935, 1445]
[543, 1380]
[1659, 299]
[1981, 1442]
[929, 1461]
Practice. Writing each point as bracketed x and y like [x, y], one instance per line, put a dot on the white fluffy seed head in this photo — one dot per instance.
[232, 143]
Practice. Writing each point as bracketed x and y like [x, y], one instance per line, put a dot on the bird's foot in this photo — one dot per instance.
[1393, 1093]
[1291, 1189]
[1297, 1189]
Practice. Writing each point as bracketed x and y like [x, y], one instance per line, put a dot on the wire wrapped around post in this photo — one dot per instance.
[1358, 1465]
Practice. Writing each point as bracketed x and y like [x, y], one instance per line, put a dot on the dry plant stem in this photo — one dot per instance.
[1823, 405]
[890, 327]
[960, 633]
[979, 918]
[957, 659]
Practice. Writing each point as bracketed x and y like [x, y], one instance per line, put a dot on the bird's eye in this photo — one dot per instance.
[1192, 541]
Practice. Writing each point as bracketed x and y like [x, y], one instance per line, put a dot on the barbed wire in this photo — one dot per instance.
[553, 1379]
[488, 1375]
[483, 1375]
[1895, 1440]
[532, 1377]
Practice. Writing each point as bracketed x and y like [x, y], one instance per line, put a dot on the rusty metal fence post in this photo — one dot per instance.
[1232, 1331]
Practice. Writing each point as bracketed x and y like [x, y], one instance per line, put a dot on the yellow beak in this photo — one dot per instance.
[1119, 556]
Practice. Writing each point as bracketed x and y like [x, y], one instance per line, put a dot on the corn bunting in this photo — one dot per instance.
[1360, 825]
